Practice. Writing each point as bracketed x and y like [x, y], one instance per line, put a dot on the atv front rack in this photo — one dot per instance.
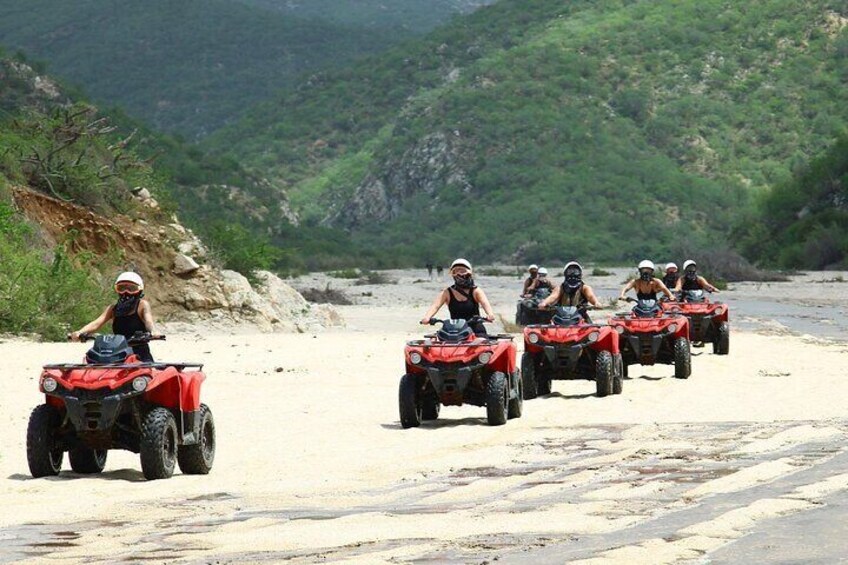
[488, 340]
[181, 366]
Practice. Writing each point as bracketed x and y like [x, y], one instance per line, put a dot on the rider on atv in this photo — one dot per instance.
[463, 298]
[691, 280]
[671, 276]
[130, 315]
[534, 272]
[540, 282]
[646, 286]
[573, 292]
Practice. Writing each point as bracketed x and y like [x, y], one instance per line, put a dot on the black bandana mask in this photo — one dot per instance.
[573, 280]
[463, 281]
[691, 275]
[646, 275]
[127, 304]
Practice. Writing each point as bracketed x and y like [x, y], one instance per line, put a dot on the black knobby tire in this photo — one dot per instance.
[682, 358]
[86, 461]
[528, 376]
[409, 402]
[44, 452]
[497, 402]
[618, 377]
[158, 447]
[430, 408]
[604, 373]
[516, 405]
[543, 382]
[721, 345]
[197, 459]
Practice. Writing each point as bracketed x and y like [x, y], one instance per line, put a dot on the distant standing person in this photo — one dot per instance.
[430, 270]
[439, 270]
[463, 298]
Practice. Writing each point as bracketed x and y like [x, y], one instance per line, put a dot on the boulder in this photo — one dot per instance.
[184, 265]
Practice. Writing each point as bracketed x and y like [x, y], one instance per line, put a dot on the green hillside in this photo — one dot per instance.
[188, 66]
[415, 16]
[803, 223]
[537, 128]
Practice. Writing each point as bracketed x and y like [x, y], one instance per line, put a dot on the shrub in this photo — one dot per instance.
[326, 295]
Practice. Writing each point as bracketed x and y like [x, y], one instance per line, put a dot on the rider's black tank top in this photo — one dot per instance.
[462, 309]
[127, 326]
[691, 285]
[646, 295]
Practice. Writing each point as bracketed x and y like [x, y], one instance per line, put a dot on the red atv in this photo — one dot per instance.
[708, 321]
[114, 401]
[571, 348]
[455, 367]
[650, 336]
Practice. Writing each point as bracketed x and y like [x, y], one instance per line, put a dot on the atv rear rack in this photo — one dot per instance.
[181, 366]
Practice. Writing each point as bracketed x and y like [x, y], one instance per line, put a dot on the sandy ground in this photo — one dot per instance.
[312, 465]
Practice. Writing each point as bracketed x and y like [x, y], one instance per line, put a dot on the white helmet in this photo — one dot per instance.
[646, 264]
[129, 276]
[572, 264]
[671, 266]
[688, 263]
[543, 271]
[461, 263]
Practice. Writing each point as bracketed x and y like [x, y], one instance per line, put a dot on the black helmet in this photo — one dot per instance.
[573, 273]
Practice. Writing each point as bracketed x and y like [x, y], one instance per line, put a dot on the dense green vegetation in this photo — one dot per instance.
[187, 66]
[607, 130]
[803, 223]
[73, 152]
[415, 16]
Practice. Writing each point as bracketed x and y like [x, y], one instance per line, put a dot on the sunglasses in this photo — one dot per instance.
[127, 288]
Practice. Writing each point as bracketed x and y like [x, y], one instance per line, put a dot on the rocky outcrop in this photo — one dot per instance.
[169, 258]
[430, 165]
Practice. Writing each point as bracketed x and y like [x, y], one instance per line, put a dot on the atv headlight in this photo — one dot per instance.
[49, 384]
[533, 338]
[593, 337]
[485, 357]
[719, 311]
[672, 328]
[414, 358]
[619, 330]
[139, 384]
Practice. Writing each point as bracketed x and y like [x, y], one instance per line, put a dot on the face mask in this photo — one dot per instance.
[463, 281]
[127, 303]
[692, 275]
[646, 276]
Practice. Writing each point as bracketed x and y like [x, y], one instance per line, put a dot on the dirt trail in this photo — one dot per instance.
[313, 466]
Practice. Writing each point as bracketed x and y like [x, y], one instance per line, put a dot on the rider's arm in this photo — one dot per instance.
[147, 316]
[706, 284]
[678, 286]
[552, 299]
[440, 301]
[480, 297]
[95, 325]
[589, 294]
[627, 287]
[664, 289]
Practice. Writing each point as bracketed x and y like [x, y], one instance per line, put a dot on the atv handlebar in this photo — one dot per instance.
[137, 337]
[472, 320]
